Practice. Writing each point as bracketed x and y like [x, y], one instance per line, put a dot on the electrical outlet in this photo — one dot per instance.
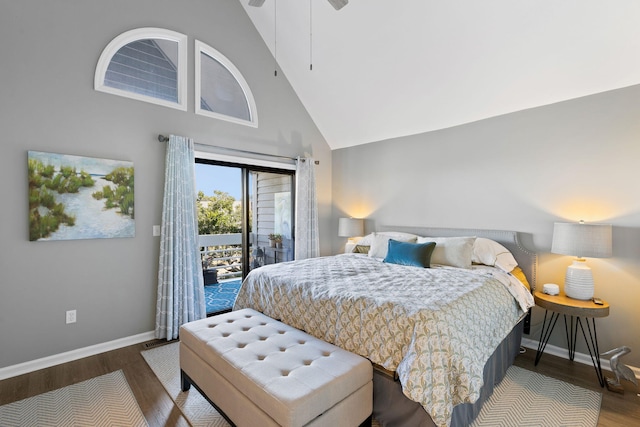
[156, 230]
[71, 316]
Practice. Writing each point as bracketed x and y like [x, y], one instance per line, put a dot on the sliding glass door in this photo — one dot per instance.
[245, 218]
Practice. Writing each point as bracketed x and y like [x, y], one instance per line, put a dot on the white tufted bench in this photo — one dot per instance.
[258, 371]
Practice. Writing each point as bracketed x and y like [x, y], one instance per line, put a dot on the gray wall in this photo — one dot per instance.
[49, 52]
[523, 171]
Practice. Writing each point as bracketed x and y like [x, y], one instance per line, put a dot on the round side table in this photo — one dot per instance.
[576, 310]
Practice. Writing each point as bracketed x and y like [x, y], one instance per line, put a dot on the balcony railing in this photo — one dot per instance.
[222, 253]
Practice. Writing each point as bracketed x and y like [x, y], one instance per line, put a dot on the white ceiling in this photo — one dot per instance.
[384, 69]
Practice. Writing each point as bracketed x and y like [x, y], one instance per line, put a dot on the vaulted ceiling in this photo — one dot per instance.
[384, 69]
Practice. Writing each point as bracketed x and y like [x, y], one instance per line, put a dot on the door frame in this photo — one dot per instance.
[246, 168]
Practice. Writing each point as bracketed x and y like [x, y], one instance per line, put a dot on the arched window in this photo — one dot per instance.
[147, 64]
[221, 91]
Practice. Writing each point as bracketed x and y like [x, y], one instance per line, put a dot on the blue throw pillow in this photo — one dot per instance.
[414, 254]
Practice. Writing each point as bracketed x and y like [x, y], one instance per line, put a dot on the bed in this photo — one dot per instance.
[440, 337]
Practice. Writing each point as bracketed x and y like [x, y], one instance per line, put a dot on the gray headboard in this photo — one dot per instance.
[512, 240]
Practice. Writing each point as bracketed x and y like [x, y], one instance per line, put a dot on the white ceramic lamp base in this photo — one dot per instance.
[578, 283]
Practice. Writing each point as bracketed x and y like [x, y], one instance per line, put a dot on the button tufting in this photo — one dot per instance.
[300, 400]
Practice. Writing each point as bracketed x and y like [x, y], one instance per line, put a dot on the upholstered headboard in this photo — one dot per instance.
[512, 240]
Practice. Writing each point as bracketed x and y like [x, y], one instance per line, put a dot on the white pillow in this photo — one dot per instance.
[395, 235]
[490, 252]
[379, 242]
[453, 251]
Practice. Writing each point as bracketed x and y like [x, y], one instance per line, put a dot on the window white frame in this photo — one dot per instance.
[143, 34]
[201, 153]
[203, 48]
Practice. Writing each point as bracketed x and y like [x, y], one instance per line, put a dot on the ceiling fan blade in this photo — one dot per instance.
[338, 4]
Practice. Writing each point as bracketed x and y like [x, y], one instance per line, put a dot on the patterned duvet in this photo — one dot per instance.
[436, 327]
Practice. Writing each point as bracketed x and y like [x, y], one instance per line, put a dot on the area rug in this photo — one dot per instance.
[106, 400]
[525, 398]
[164, 361]
[221, 296]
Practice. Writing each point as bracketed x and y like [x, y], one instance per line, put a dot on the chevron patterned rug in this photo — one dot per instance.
[106, 400]
[164, 361]
[525, 398]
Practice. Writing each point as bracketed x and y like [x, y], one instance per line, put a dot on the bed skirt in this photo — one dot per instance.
[392, 408]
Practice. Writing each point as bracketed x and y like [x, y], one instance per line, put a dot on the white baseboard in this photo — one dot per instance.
[56, 359]
[579, 357]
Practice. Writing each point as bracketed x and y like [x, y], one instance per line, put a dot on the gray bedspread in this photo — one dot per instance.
[436, 327]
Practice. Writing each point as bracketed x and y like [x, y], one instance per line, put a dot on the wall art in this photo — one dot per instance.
[74, 197]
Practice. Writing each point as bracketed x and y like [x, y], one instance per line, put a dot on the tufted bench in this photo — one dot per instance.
[258, 371]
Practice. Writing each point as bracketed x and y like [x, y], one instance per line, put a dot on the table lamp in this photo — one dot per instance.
[581, 240]
[350, 227]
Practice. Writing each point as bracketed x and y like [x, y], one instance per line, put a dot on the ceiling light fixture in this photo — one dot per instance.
[337, 4]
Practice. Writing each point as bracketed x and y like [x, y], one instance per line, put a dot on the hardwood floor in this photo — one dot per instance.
[616, 409]
[159, 410]
[156, 405]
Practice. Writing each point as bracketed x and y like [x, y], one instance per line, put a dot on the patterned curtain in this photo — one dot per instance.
[180, 282]
[307, 244]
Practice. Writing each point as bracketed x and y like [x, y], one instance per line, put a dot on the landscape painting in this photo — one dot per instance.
[74, 197]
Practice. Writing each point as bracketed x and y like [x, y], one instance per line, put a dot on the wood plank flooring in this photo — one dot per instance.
[159, 409]
[156, 405]
[616, 409]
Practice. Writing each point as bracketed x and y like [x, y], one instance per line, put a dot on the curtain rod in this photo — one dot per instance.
[163, 138]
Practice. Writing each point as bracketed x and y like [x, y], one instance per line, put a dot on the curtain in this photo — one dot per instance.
[307, 244]
[180, 282]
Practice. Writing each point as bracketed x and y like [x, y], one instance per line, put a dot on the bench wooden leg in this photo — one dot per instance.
[185, 381]
[368, 422]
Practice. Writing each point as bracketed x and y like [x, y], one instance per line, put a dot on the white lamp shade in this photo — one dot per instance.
[350, 227]
[581, 240]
